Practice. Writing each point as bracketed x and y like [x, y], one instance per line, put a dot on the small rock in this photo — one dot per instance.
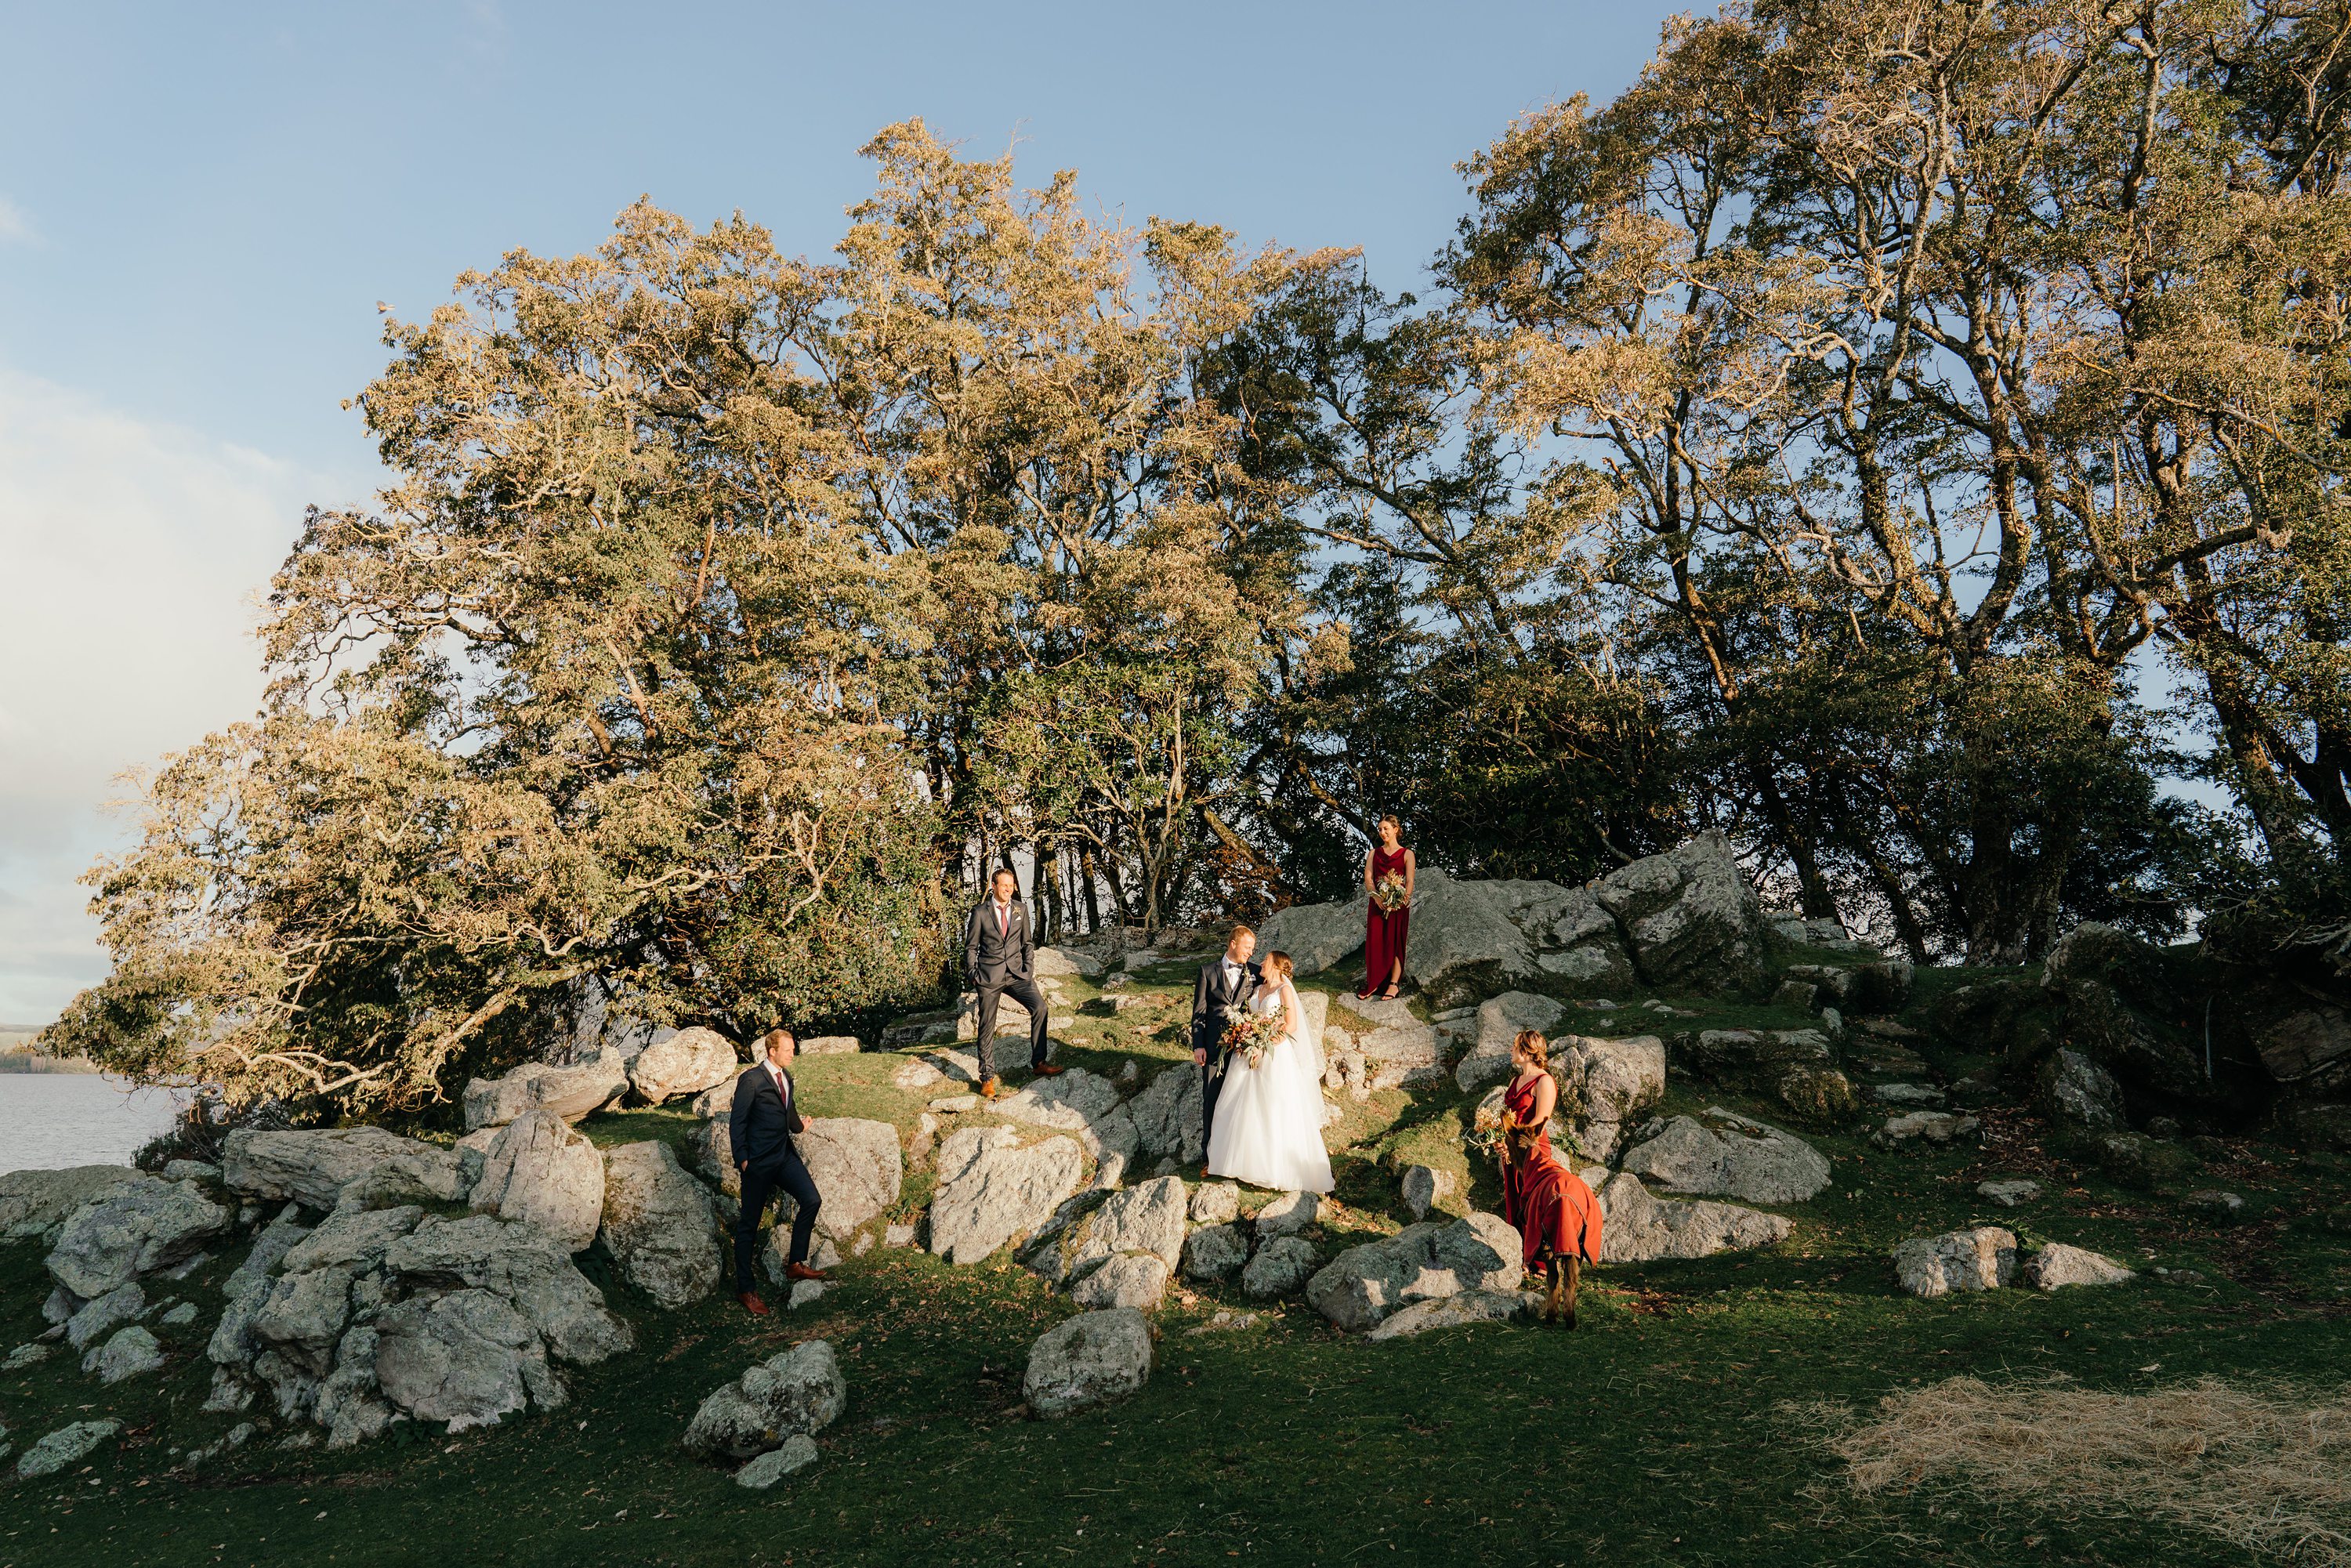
[1452, 1312]
[191, 1170]
[66, 1446]
[1282, 1267]
[797, 1454]
[181, 1315]
[1289, 1215]
[2056, 1266]
[916, 1075]
[1905, 1094]
[130, 1352]
[1916, 1128]
[688, 1062]
[1216, 1203]
[898, 1236]
[1128, 1280]
[2077, 1091]
[953, 1104]
[829, 1045]
[1799, 995]
[801, 1390]
[1728, 1155]
[1979, 1259]
[101, 1317]
[1424, 1187]
[2219, 1208]
[1096, 1358]
[1215, 1252]
[806, 1293]
[24, 1356]
[2010, 1192]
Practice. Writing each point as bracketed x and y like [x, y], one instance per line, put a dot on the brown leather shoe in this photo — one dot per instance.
[802, 1272]
[753, 1305]
[993, 1087]
[1047, 1069]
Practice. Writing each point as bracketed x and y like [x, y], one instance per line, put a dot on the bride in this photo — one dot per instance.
[1268, 1126]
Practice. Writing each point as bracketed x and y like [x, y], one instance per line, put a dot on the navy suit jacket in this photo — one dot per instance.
[761, 1125]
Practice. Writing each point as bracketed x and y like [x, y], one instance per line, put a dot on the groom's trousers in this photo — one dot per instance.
[1026, 993]
[784, 1174]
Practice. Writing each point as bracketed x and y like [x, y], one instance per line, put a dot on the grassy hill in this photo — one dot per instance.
[1686, 1421]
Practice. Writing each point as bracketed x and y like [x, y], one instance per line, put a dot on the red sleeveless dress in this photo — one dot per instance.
[1555, 1214]
[1385, 934]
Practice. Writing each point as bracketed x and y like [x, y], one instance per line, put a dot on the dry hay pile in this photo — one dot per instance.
[2268, 1470]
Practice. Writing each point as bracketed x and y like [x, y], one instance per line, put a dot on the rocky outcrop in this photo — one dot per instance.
[1143, 1222]
[1096, 1358]
[2077, 1092]
[1982, 1258]
[1728, 1155]
[688, 1062]
[796, 1393]
[466, 1358]
[993, 1189]
[571, 1092]
[521, 1263]
[1689, 916]
[659, 1225]
[540, 1171]
[313, 1167]
[1637, 1226]
[129, 1230]
[37, 1204]
[1367, 1283]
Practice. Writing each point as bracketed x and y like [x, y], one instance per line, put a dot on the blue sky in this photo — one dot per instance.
[200, 207]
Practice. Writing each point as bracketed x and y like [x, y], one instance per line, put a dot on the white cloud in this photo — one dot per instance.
[16, 226]
[132, 557]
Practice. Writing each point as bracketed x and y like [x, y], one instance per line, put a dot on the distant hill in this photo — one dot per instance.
[16, 1052]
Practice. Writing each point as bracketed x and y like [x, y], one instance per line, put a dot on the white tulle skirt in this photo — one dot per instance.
[1268, 1130]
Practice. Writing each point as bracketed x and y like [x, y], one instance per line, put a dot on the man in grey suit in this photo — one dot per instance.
[1000, 960]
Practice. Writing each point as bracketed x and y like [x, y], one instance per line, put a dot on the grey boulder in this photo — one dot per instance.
[1367, 1283]
[1500, 1019]
[2057, 1266]
[1167, 1115]
[1215, 1252]
[466, 1358]
[1689, 915]
[1424, 1187]
[98, 1318]
[1126, 1280]
[797, 1454]
[314, 1165]
[1638, 1227]
[858, 1169]
[798, 1391]
[521, 1264]
[993, 1188]
[1216, 1203]
[1980, 1258]
[542, 1172]
[1289, 1213]
[659, 1225]
[37, 1204]
[1096, 1358]
[2077, 1091]
[571, 1092]
[130, 1229]
[1282, 1267]
[131, 1351]
[1728, 1155]
[688, 1062]
[66, 1446]
[1454, 1312]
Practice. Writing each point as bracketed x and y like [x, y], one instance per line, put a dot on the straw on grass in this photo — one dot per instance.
[2266, 1470]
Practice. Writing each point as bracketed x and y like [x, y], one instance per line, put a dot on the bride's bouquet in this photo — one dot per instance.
[1388, 894]
[1251, 1034]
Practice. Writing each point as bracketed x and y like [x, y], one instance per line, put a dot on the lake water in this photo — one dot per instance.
[50, 1120]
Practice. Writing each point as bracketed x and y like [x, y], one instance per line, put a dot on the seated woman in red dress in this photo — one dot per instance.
[1556, 1215]
[1387, 929]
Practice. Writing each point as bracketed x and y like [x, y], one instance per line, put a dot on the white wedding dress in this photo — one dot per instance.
[1268, 1130]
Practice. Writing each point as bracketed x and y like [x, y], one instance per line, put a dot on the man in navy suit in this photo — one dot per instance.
[760, 1131]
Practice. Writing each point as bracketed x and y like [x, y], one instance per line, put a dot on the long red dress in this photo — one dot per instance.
[1385, 934]
[1555, 1212]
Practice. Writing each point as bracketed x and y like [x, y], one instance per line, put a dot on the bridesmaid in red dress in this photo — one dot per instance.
[1556, 1215]
[1386, 931]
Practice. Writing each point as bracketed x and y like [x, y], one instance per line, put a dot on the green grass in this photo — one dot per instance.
[1660, 1432]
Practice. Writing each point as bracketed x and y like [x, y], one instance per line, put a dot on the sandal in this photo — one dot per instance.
[1391, 993]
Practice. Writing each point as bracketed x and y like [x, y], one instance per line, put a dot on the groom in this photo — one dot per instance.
[1225, 981]
[1000, 960]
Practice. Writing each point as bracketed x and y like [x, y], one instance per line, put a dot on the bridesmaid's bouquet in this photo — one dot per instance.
[1252, 1034]
[1389, 891]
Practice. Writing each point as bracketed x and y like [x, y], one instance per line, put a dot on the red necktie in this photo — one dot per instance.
[1004, 920]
